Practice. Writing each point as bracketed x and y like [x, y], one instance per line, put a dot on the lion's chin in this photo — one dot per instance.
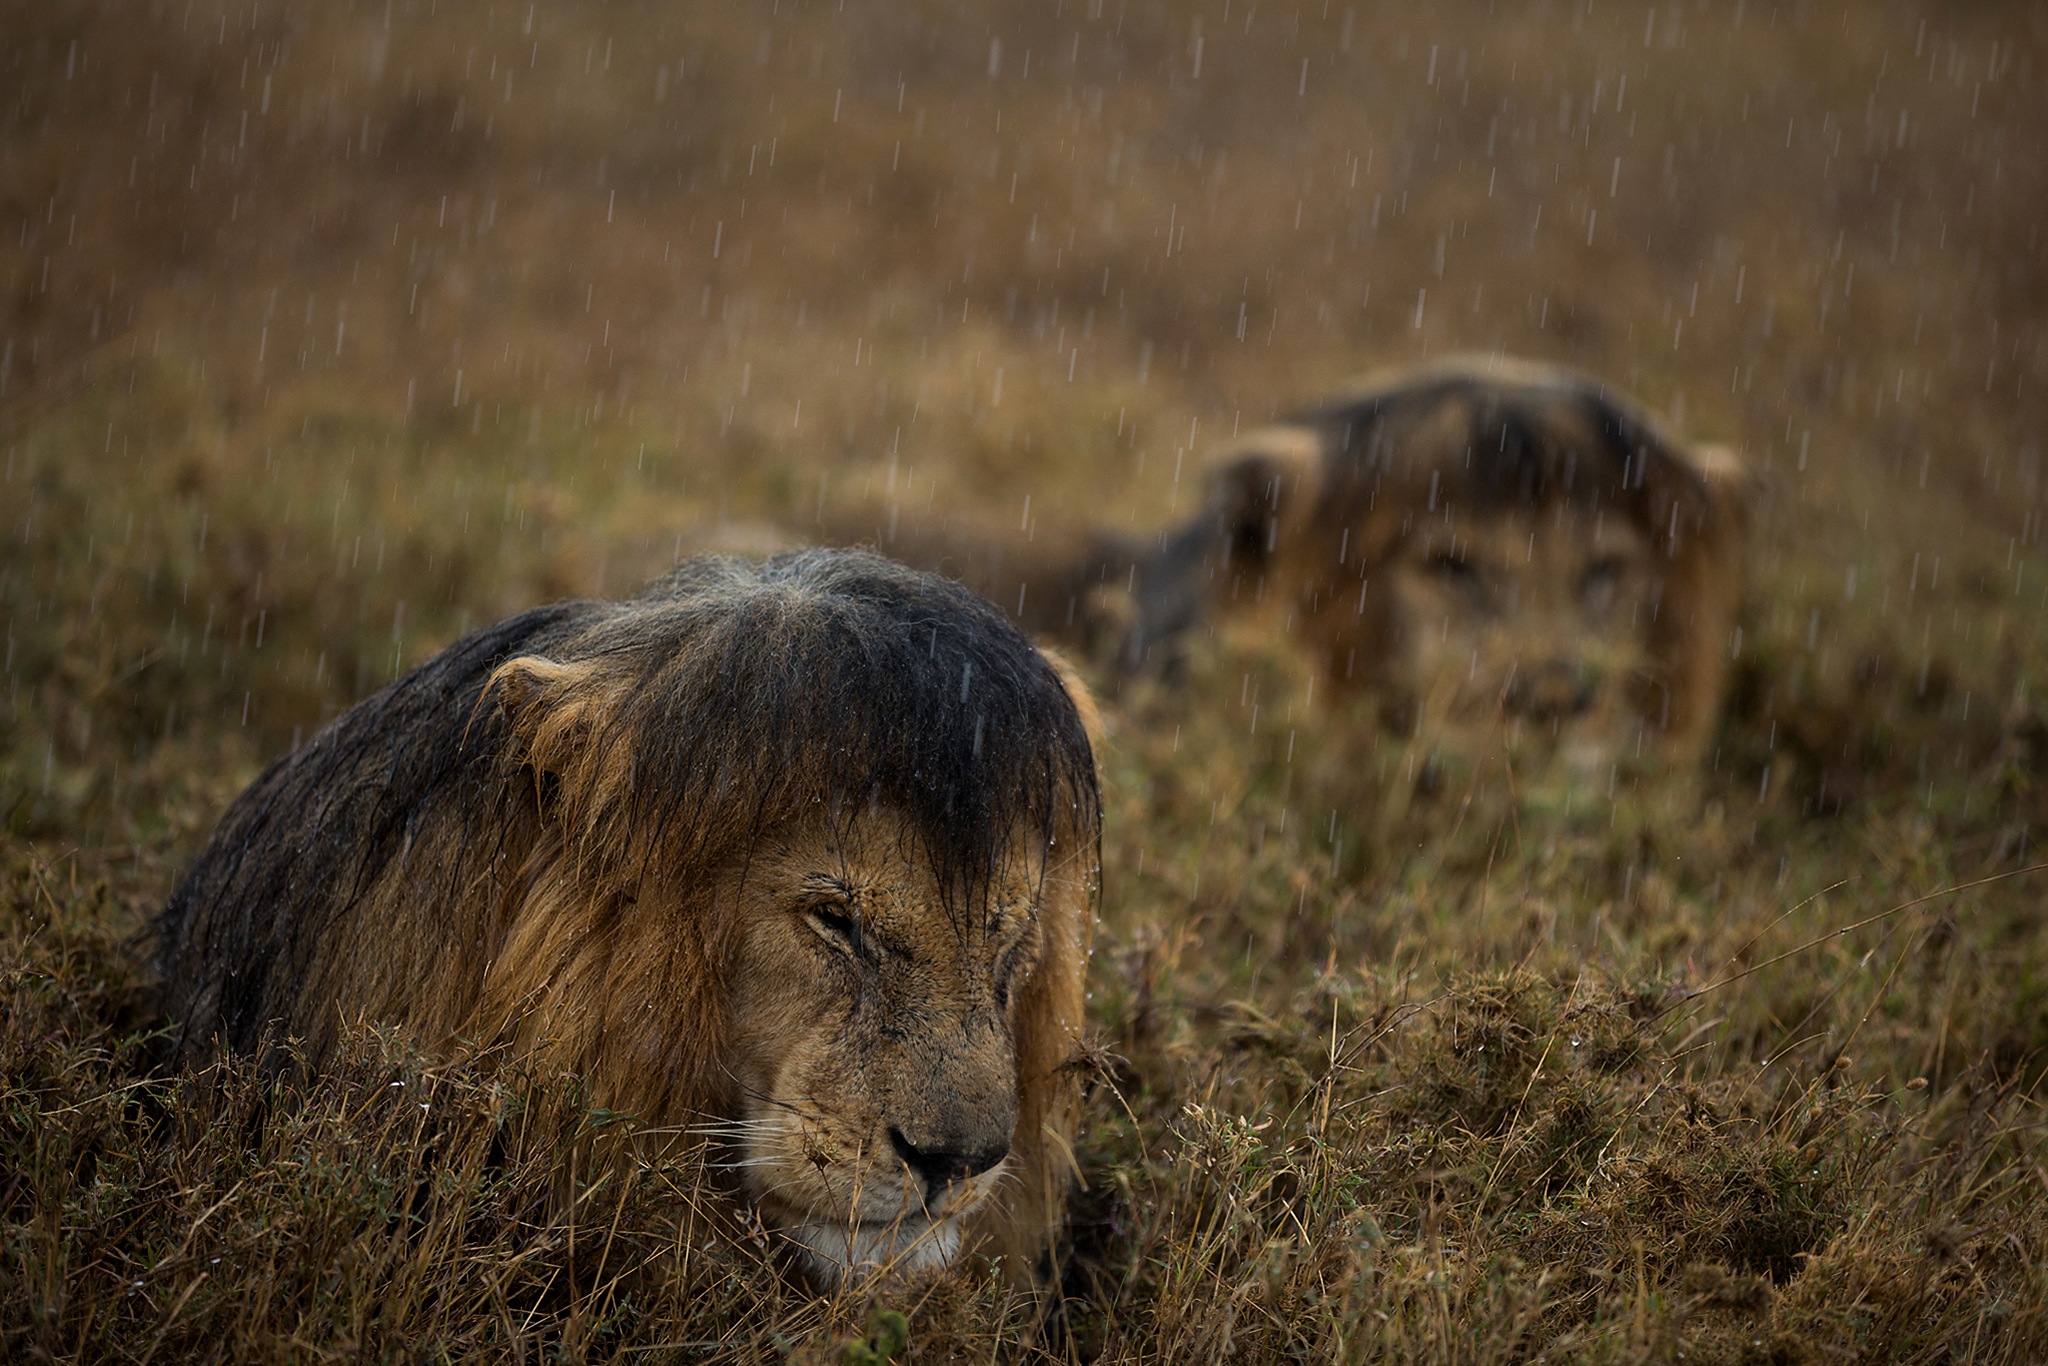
[835, 1255]
[877, 1238]
[845, 1248]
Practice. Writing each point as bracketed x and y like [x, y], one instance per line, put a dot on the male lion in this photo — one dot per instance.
[802, 852]
[1499, 552]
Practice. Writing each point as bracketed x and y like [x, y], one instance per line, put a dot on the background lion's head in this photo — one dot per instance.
[1509, 561]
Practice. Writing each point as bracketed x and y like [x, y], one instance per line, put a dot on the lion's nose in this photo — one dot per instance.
[941, 1165]
[1551, 691]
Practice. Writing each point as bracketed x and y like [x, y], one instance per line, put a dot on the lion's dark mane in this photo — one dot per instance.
[1519, 448]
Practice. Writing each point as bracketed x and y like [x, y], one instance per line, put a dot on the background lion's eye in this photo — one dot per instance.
[1602, 581]
[1450, 565]
[835, 924]
[1458, 574]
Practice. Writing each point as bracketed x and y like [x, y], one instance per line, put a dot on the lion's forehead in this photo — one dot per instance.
[1551, 548]
[1558, 526]
[914, 916]
[887, 881]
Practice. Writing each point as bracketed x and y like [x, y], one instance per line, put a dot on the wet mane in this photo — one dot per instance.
[1523, 443]
[819, 678]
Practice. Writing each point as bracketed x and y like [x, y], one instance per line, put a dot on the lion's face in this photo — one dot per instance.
[1507, 558]
[1521, 630]
[874, 1042]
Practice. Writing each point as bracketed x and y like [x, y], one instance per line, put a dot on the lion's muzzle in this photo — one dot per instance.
[954, 1107]
[1555, 690]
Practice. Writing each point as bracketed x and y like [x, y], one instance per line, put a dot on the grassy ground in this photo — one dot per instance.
[332, 332]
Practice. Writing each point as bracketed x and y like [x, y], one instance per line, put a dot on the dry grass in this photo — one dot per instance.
[332, 332]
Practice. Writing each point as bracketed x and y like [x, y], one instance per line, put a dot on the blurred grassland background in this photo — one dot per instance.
[332, 331]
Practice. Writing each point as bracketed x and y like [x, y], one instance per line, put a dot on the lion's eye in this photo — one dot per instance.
[1602, 581]
[1451, 566]
[1457, 573]
[833, 924]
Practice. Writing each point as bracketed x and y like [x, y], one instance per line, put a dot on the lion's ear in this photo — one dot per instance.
[1079, 693]
[553, 707]
[1257, 499]
[1700, 500]
[1260, 492]
[1731, 487]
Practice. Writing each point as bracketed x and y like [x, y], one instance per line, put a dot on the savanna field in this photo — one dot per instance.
[333, 331]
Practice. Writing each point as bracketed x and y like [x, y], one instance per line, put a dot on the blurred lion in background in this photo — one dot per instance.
[802, 854]
[1506, 557]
